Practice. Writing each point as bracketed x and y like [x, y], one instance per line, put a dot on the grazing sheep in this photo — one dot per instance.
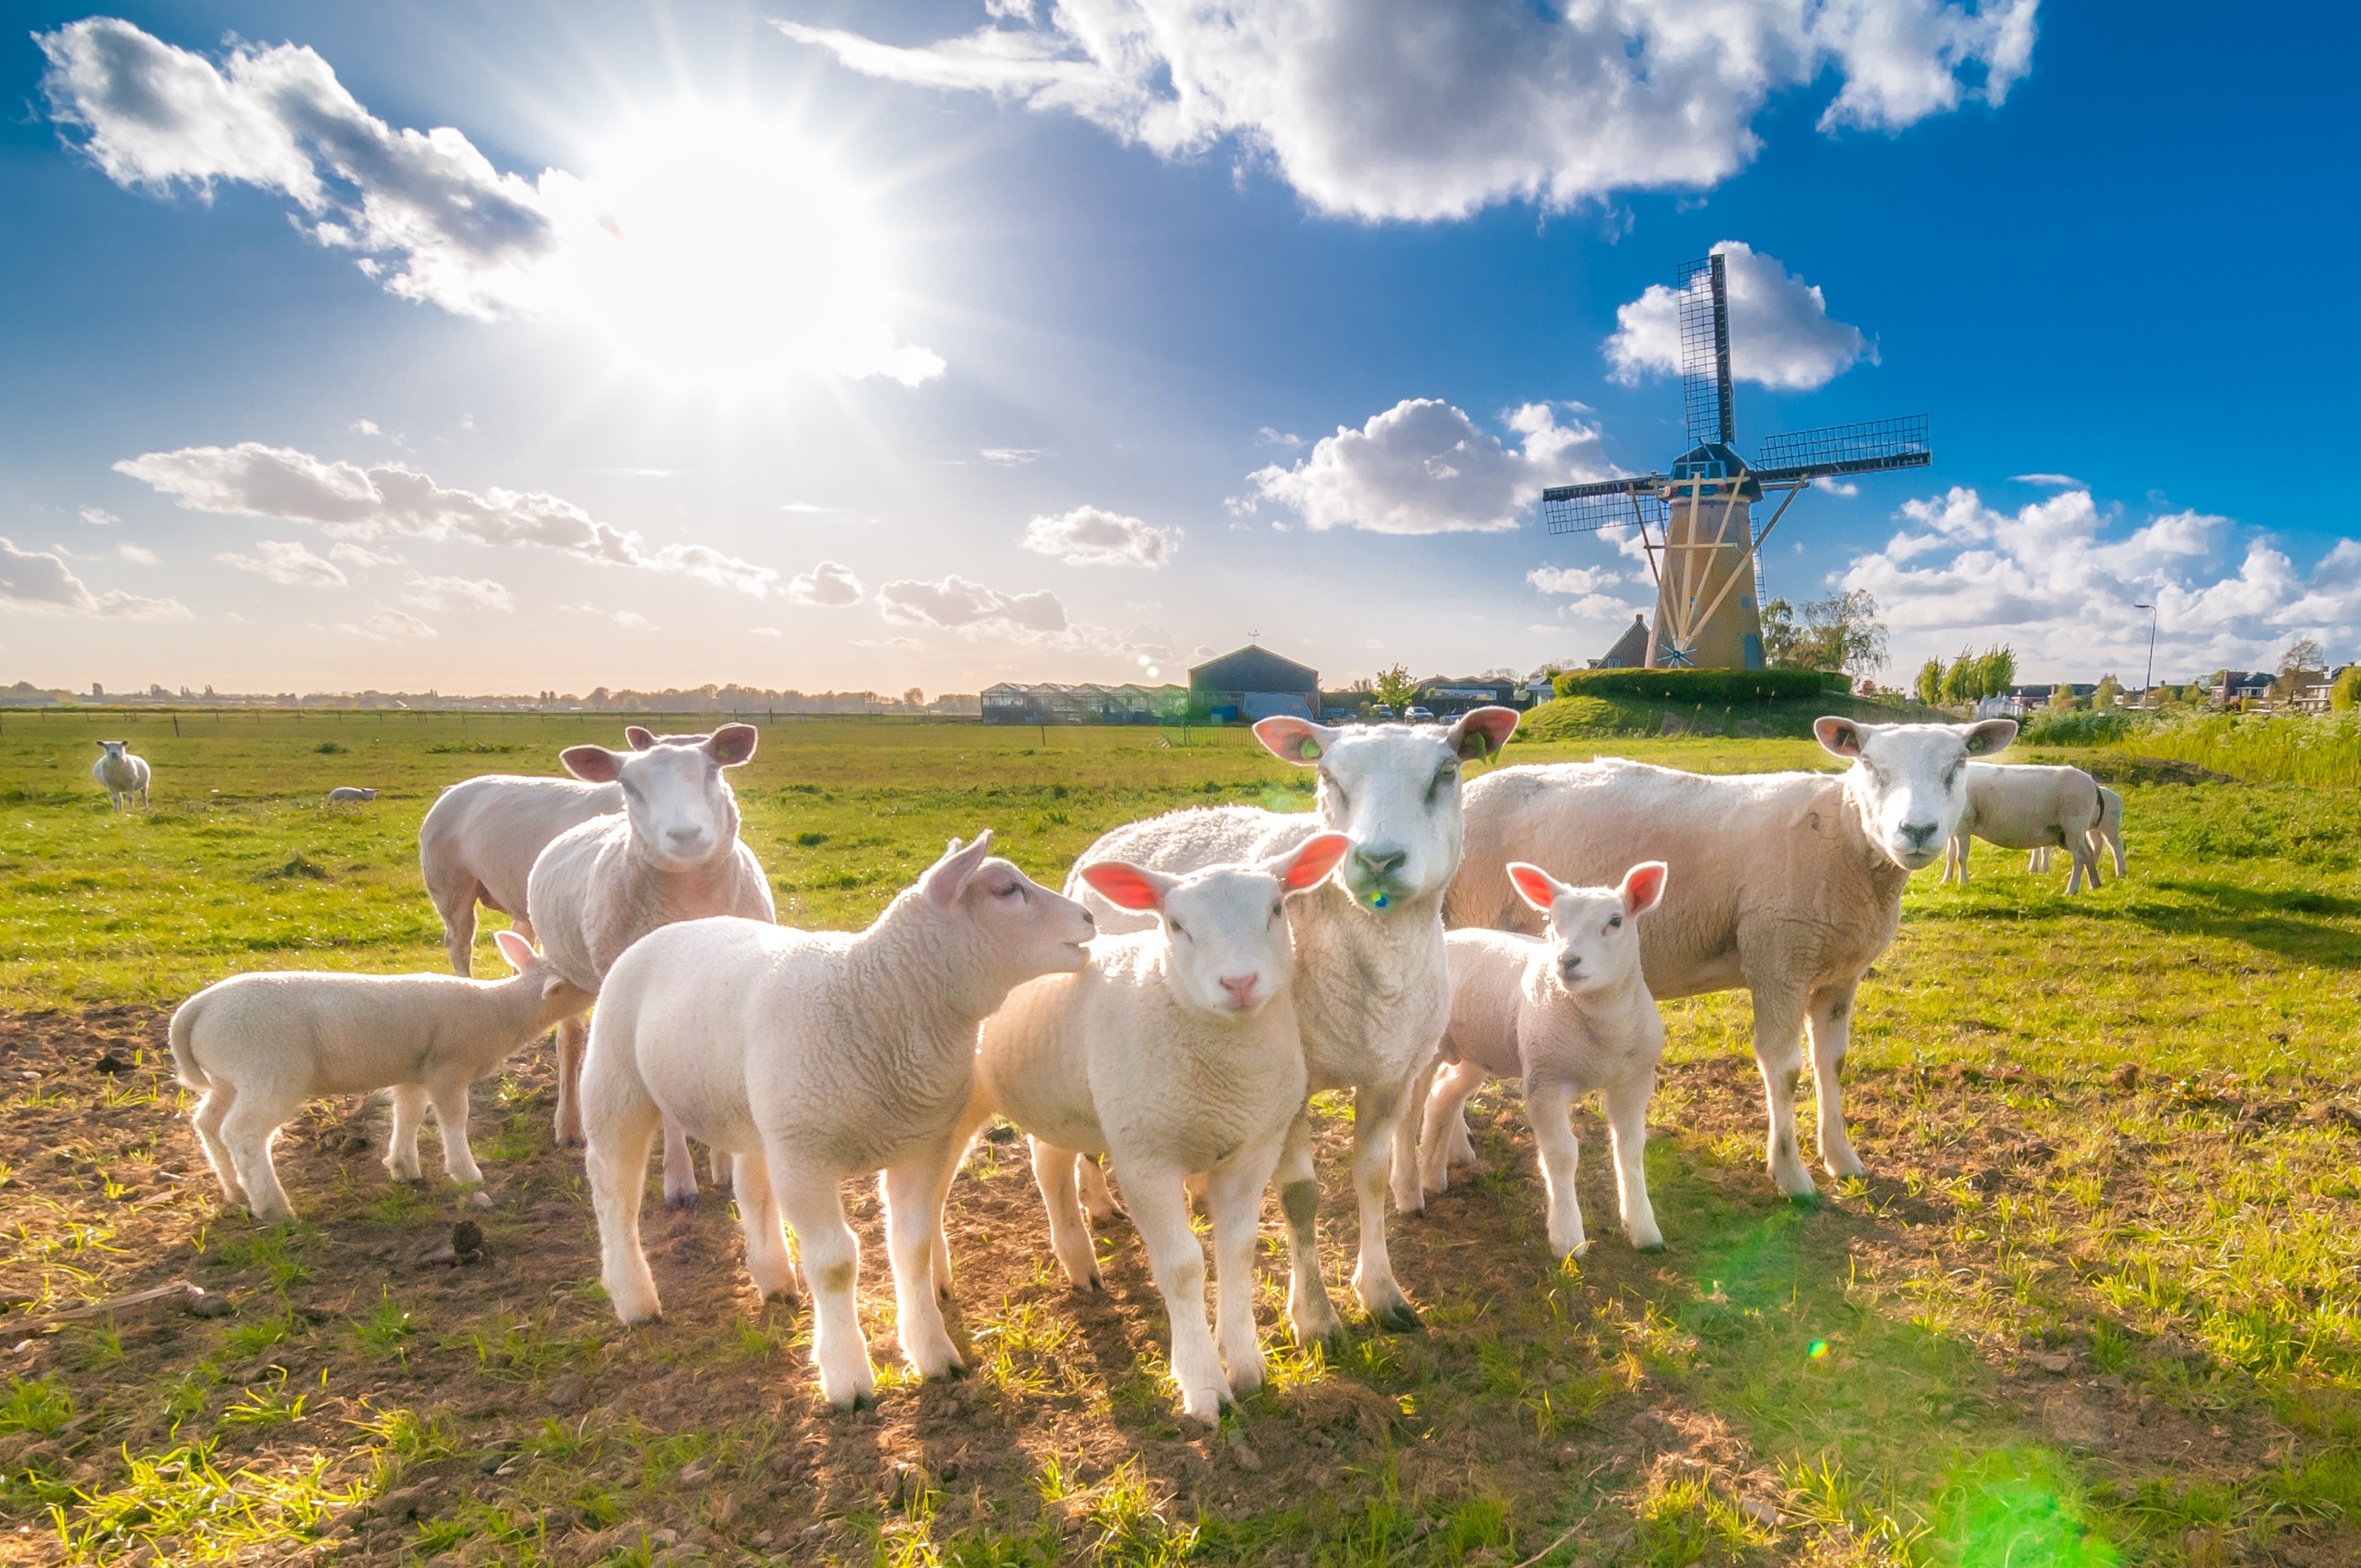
[2108, 835]
[812, 1057]
[482, 835]
[1372, 992]
[121, 773]
[2031, 808]
[257, 1045]
[352, 792]
[1175, 1052]
[1789, 885]
[1565, 1013]
[672, 854]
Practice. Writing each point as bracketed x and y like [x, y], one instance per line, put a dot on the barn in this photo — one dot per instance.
[1253, 683]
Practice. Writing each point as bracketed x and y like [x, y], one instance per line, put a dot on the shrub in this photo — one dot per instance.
[2050, 727]
[2345, 694]
[1714, 687]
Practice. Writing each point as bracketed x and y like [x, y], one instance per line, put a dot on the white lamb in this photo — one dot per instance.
[257, 1045]
[812, 1057]
[121, 773]
[1372, 991]
[354, 792]
[2107, 835]
[1175, 1052]
[1789, 885]
[2029, 807]
[672, 854]
[1567, 1014]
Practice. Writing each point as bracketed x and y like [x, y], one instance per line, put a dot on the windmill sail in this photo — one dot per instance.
[1869, 447]
[1705, 350]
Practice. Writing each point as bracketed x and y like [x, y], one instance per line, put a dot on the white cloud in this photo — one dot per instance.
[2058, 579]
[1009, 456]
[1267, 435]
[1422, 466]
[365, 427]
[802, 505]
[287, 560]
[1088, 536]
[764, 632]
[960, 604]
[1380, 109]
[444, 593]
[353, 555]
[630, 618]
[138, 555]
[829, 586]
[99, 517]
[40, 584]
[389, 626]
[387, 500]
[1571, 579]
[2052, 481]
[1781, 333]
[653, 253]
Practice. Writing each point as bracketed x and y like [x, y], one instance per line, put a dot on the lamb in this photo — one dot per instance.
[1566, 1013]
[1175, 1052]
[121, 773]
[2108, 835]
[811, 1056]
[352, 792]
[257, 1045]
[1372, 992]
[1789, 885]
[2028, 808]
[672, 854]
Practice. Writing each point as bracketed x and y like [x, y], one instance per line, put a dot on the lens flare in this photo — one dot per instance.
[1818, 1350]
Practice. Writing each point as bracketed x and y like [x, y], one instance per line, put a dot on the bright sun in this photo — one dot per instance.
[723, 251]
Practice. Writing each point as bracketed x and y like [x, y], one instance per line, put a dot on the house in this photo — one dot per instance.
[1630, 650]
[2312, 691]
[1252, 683]
[1448, 697]
[2241, 686]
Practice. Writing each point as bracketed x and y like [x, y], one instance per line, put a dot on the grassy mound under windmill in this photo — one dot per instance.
[1735, 704]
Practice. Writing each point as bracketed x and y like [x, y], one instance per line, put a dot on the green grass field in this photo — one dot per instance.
[2099, 1301]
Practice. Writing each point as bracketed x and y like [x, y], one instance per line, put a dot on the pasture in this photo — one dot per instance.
[2099, 1300]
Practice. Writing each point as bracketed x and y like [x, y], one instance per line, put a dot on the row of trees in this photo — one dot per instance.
[1838, 632]
[1971, 677]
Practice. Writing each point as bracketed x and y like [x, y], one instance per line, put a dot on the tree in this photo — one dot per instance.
[1838, 632]
[1395, 688]
[1997, 671]
[2345, 694]
[1960, 679]
[1930, 682]
[2109, 690]
[2302, 656]
[914, 698]
[1781, 638]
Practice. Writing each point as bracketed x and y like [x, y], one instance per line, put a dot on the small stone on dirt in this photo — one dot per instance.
[2127, 1076]
[481, 1199]
[692, 1472]
[210, 1304]
[569, 1391]
[1761, 1513]
[2059, 1362]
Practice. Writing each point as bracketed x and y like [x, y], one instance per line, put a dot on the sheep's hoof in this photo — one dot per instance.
[952, 1373]
[857, 1403]
[680, 1201]
[1402, 1318]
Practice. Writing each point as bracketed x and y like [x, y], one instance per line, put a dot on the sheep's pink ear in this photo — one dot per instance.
[1481, 732]
[1127, 886]
[1643, 887]
[1312, 861]
[1838, 737]
[732, 744]
[638, 739]
[591, 764]
[1991, 735]
[1535, 885]
[947, 878]
[1292, 739]
[513, 947]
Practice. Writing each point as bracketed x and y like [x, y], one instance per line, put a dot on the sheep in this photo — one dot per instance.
[2029, 807]
[354, 792]
[1372, 992]
[672, 854]
[1175, 1052]
[2108, 835]
[257, 1045]
[1789, 885]
[482, 835]
[121, 773]
[812, 1057]
[1565, 1015]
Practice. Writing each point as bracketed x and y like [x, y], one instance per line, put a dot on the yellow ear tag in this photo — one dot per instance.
[1308, 748]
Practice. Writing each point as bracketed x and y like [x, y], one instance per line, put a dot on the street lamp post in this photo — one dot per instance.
[2149, 685]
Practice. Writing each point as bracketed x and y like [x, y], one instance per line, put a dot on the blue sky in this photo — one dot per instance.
[923, 345]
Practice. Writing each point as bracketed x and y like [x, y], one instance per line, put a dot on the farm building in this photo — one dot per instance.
[1253, 683]
[1448, 697]
[1041, 702]
[1630, 650]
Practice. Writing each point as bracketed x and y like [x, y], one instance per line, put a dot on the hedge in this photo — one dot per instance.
[1722, 687]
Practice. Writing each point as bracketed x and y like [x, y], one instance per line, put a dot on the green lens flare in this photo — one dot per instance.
[1379, 900]
[1818, 1350]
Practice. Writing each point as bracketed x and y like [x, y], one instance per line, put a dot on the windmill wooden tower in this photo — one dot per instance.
[1697, 522]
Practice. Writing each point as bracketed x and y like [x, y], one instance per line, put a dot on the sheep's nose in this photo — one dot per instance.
[1380, 862]
[685, 838]
[1569, 966]
[1241, 988]
[1921, 834]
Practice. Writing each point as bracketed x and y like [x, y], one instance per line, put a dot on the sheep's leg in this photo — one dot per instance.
[962, 1139]
[459, 930]
[1234, 1192]
[247, 1131]
[913, 1223]
[1159, 1209]
[1457, 1146]
[1410, 1192]
[207, 1120]
[1779, 1053]
[1550, 1107]
[1097, 1201]
[402, 1147]
[815, 1207]
[1070, 1230]
[717, 1162]
[768, 1262]
[2114, 843]
[573, 1036]
[680, 1169]
[1445, 1102]
[621, 1122]
[1830, 1022]
[2085, 858]
[1626, 1130]
[450, 1101]
[1310, 1314]
[1378, 1112]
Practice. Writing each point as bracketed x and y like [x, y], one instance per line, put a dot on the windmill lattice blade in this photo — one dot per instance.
[1863, 448]
[1612, 503]
[1704, 288]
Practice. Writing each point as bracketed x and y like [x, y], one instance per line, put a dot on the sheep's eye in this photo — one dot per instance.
[1176, 928]
[1615, 921]
[1275, 910]
[1013, 890]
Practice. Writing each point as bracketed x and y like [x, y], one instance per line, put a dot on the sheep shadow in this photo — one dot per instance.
[2259, 917]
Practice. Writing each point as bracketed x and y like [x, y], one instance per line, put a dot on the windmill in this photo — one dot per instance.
[1697, 524]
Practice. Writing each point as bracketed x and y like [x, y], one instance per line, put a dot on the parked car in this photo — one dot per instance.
[1380, 710]
[1418, 716]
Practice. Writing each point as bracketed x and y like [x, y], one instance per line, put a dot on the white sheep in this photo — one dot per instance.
[672, 854]
[257, 1045]
[810, 1057]
[1789, 885]
[1566, 1013]
[354, 792]
[2107, 835]
[2031, 808]
[1175, 1052]
[1372, 991]
[121, 773]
